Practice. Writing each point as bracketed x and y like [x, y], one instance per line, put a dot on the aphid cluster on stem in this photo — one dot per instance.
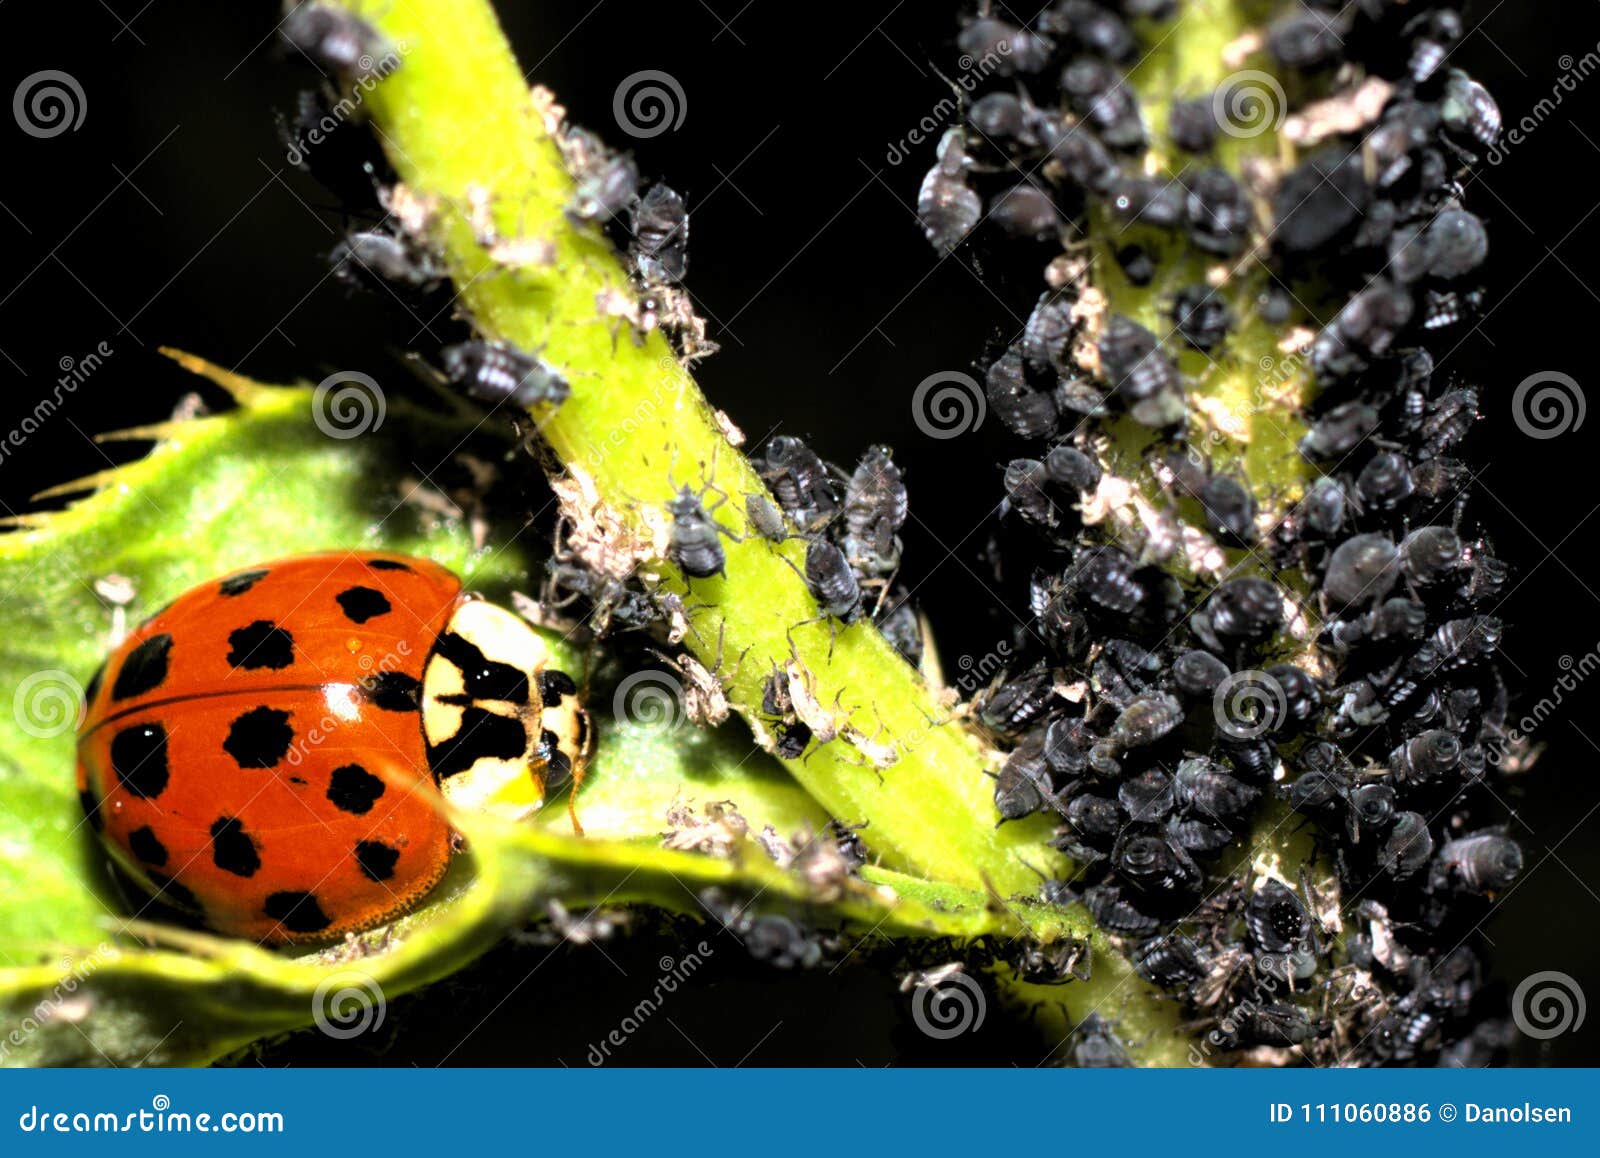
[1227, 649]
[850, 522]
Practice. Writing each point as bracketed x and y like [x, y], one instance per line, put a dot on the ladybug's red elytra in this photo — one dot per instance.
[269, 750]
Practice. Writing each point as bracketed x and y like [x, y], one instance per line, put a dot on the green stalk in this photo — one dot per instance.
[466, 136]
[461, 128]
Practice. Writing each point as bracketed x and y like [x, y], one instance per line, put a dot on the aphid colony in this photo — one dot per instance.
[388, 247]
[1339, 660]
[849, 521]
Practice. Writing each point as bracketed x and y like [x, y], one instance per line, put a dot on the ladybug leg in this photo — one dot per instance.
[572, 798]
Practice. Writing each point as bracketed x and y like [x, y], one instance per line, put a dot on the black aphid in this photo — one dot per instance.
[1201, 316]
[335, 40]
[661, 235]
[1071, 468]
[1408, 847]
[371, 256]
[1170, 960]
[1361, 570]
[1192, 125]
[1028, 412]
[1425, 757]
[1307, 38]
[1097, 92]
[766, 519]
[1206, 787]
[1230, 509]
[875, 508]
[1137, 371]
[1198, 673]
[832, 582]
[1276, 918]
[696, 546]
[498, 373]
[800, 481]
[1485, 862]
[1018, 702]
[946, 205]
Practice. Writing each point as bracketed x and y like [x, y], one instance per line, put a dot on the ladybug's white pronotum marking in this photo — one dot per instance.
[496, 732]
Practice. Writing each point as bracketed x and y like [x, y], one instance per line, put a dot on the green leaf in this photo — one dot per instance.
[80, 983]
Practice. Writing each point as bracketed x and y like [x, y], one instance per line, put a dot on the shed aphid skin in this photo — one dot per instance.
[606, 183]
[1342, 659]
[274, 750]
[368, 256]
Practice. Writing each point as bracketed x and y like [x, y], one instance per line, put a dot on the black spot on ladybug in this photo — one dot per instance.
[553, 685]
[261, 644]
[91, 809]
[376, 859]
[558, 767]
[240, 583]
[360, 604]
[93, 689]
[481, 734]
[171, 892]
[296, 911]
[143, 844]
[393, 691]
[259, 738]
[139, 758]
[387, 565]
[145, 669]
[232, 850]
[485, 679]
[353, 789]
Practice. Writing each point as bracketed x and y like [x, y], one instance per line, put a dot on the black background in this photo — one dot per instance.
[170, 217]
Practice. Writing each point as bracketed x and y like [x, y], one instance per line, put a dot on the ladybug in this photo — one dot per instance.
[273, 751]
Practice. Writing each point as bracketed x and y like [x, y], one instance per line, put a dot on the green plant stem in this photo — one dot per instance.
[459, 125]
[461, 128]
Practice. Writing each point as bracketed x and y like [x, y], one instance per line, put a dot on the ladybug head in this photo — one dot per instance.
[501, 725]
